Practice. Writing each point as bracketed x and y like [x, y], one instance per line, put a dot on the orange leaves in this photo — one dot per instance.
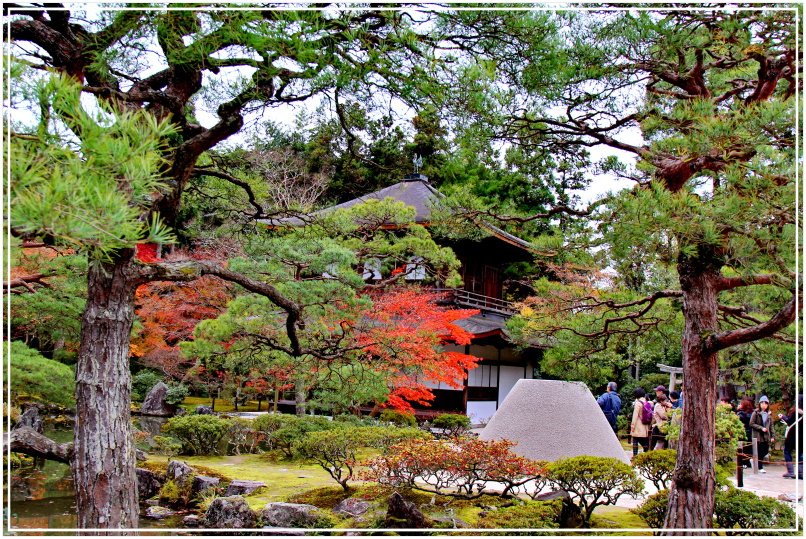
[402, 334]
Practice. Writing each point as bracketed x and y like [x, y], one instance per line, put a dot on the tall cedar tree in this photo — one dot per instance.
[277, 57]
[713, 94]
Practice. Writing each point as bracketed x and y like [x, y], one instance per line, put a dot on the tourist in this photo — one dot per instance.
[761, 424]
[610, 403]
[661, 390]
[674, 397]
[794, 427]
[660, 421]
[639, 430]
[744, 412]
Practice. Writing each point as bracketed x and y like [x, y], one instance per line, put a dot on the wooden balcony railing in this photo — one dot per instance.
[465, 298]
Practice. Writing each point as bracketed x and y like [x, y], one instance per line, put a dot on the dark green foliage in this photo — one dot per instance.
[166, 445]
[737, 508]
[398, 418]
[733, 508]
[176, 394]
[334, 450]
[657, 466]
[354, 420]
[452, 424]
[142, 382]
[653, 510]
[531, 514]
[294, 430]
[34, 377]
[594, 481]
[242, 437]
[199, 434]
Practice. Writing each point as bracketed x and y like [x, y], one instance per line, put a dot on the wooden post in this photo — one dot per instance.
[755, 454]
[739, 468]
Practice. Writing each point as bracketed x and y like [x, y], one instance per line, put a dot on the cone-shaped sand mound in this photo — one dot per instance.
[550, 419]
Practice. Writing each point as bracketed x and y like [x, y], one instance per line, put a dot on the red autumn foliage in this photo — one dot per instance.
[170, 311]
[146, 252]
[401, 336]
[458, 467]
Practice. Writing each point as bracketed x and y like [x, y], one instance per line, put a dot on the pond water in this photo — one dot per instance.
[43, 497]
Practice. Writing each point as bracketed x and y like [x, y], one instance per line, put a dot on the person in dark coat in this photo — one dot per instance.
[610, 403]
[745, 411]
[761, 425]
[794, 427]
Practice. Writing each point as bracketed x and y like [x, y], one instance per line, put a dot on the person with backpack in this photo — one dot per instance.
[660, 421]
[641, 421]
[610, 403]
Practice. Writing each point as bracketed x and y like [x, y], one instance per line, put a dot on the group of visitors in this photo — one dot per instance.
[758, 424]
[650, 418]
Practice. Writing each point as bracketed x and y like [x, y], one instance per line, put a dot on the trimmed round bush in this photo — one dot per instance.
[736, 508]
[653, 510]
[533, 515]
[398, 418]
[657, 466]
[594, 481]
[199, 434]
[452, 424]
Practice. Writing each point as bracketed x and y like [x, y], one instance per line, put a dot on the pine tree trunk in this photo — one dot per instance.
[104, 461]
[691, 497]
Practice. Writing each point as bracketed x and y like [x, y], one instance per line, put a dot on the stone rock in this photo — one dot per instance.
[154, 403]
[152, 501]
[790, 497]
[191, 521]
[229, 512]
[351, 507]
[289, 515]
[140, 455]
[545, 418]
[570, 515]
[403, 514]
[156, 512]
[202, 483]
[203, 410]
[148, 483]
[30, 418]
[179, 472]
[239, 486]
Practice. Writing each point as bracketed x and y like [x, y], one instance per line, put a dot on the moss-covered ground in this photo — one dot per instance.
[222, 405]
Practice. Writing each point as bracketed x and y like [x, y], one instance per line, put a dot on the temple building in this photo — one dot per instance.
[483, 263]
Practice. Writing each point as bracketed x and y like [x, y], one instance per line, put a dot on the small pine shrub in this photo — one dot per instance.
[176, 394]
[737, 508]
[166, 445]
[657, 466]
[594, 481]
[142, 382]
[199, 434]
[452, 424]
[653, 510]
[398, 418]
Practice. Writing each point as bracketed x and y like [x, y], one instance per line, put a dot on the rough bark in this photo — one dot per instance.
[104, 463]
[691, 497]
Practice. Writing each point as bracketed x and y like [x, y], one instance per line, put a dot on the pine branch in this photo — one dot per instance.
[726, 339]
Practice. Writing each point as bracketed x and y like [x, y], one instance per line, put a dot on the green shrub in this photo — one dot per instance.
[532, 515]
[170, 492]
[176, 394]
[334, 450]
[35, 377]
[242, 436]
[452, 424]
[653, 510]
[293, 430]
[166, 445]
[737, 508]
[352, 419]
[383, 437]
[398, 418]
[594, 481]
[199, 434]
[142, 382]
[733, 508]
[657, 466]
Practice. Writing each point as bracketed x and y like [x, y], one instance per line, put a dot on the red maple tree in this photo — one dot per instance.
[401, 335]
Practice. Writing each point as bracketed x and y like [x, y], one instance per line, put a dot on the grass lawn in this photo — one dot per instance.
[618, 517]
